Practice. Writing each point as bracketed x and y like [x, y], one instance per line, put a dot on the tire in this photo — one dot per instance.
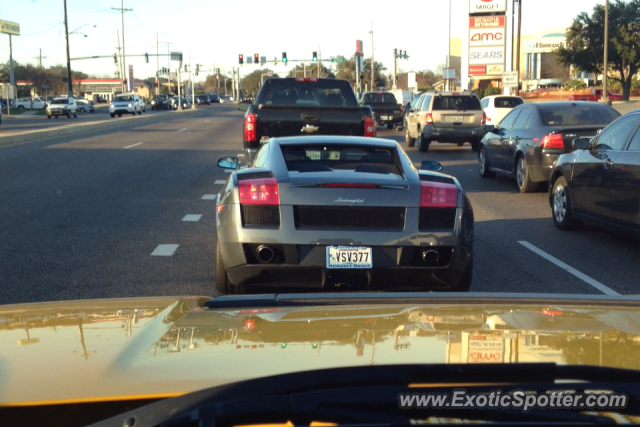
[112, 115]
[561, 206]
[483, 166]
[407, 138]
[522, 176]
[475, 146]
[48, 117]
[68, 114]
[465, 280]
[140, 112]
[119, 114]
[389, 125]
[134, 112]
[75, 115]
[222, 278]
[153, 108]
[423, 143]
[20, 107]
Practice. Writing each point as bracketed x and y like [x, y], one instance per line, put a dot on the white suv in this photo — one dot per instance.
[62, 106]
[125, 104]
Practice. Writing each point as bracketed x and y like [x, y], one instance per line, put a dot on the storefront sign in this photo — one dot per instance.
[486, 37]
[477, 70]
[484, 6]
[486, 21]
[486, 55]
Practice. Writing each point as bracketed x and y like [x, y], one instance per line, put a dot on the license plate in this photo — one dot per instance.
[384, 117]
[348, 257]
[457, 119]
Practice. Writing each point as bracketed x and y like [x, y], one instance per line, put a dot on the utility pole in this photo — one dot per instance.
[372, 60]
[395, 68]
[157, 66]
[519, 2]
[605, 95]
[179, 88]
[304, 69]
[319, 60]
[193, 85]
[120, 75]
[124, 69]
[40, 62]
[449, 47]
[66, 36]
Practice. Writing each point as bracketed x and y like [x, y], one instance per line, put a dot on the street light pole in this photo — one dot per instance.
[605, 95]
[66, 33]
[518, 46]
[157, 66]
[372, 60]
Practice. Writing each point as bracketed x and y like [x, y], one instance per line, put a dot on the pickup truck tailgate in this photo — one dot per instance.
[274, 121]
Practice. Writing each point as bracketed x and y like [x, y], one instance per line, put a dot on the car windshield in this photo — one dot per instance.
[573, 115]
[455, 103]
[427, 195]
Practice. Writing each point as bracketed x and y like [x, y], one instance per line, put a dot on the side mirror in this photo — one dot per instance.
[489, 128]
[580, 144]
[428, 165]
[244, 105]
[228, 163]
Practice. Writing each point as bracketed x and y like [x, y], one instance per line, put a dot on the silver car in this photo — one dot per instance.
[326, 212]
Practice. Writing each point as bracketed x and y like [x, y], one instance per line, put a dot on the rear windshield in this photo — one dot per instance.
[123, 98]
[323, 93]
[568, 115]
[60, 101]
[379, 98]
[457, 103]
[321, 158]
[507, 102]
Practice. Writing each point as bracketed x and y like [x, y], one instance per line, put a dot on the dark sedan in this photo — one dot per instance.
[332, 212]
[214, 98]
[600, 181]
[532, 136]
[160, 102]
[203, 100]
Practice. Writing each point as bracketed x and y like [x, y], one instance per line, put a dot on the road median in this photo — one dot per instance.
[37, 135]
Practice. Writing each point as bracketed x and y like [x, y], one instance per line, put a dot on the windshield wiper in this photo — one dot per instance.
[368, 395]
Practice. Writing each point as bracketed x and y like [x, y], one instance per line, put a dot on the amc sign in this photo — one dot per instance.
[486, 37]
[485, 356]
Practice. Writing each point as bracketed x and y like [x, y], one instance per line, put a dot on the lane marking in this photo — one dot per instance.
[593, 282]
[182, 130]
[206, 121]
[139, 143]
[192, 218]
[219, 181]
[228, 171]
[241, 155]
[164, 250]
[210, 197]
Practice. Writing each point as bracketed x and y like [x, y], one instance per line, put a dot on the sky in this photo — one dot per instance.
[216, 31]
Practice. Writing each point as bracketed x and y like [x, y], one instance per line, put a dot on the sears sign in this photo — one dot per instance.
[486, 37]
[486, 55]
[484, 6]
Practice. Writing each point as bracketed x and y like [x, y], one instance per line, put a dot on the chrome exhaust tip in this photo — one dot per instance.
[265, 254]
[430, 257]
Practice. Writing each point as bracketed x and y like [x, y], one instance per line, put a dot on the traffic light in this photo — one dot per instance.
[315, 56]
[146, 58]
[256, 58]
[395, 53]
[185, 68]
[405, 55]
[197, 69]
[241, 59]
[284, 57]
[115, 59]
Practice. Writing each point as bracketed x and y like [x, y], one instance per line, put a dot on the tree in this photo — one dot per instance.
[575, 84]
[251, 83]
[347, 70]
[312, 71]
[584, 47]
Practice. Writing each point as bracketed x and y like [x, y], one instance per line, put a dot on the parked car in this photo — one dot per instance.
[214, 98]
[599, 182]
[62, 106]
[495, 107]
[532, 136]
[225, 98]
[203, 100]
[596, 95]
[446, 117]
[125, 104]
[26, 103]
[85, 106]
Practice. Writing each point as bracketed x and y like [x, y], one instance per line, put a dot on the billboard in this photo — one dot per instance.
[486, 6]
[486, 55]
[486, 37]
[477, 70]
[486, 21]
[8, 27]
[359, 50]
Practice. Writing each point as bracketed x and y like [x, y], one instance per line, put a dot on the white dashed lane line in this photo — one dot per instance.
[192, 218]
[164, 250]
[210, 197]
[593, 282]
[206, 121]
[240, 155]
[182, 130]
[219, 181]
[134, 145]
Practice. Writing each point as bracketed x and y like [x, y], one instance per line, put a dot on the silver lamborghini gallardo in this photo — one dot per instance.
[332, 212]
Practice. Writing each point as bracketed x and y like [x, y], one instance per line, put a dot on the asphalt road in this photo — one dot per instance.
[86, 216]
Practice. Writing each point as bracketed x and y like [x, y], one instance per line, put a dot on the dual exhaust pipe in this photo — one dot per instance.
[430, 257]
[265, 254]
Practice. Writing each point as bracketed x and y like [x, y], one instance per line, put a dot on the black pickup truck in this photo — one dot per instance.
[385, 106]
[303, 106]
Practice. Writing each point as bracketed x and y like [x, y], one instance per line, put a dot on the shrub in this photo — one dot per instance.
[575, 84]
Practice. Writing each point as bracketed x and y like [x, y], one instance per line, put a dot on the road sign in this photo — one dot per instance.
[359, 50]
[263, 60]
[510, 79]
[176, 56]
[411, 80]
[249, 60]
[9, 27]
[338, 59]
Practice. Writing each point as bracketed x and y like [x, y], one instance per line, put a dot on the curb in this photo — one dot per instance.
[72, 129]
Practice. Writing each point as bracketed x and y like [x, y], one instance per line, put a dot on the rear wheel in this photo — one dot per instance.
[112, 115]
[423, 143]
[407, 138]
[483, 167]
[561, 209]
[522, 176]
[475, 145]
[389, 125]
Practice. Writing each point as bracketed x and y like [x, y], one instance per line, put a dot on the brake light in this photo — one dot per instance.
[553, 140]
[250, 128]
[219, 208]
[306, 79]
[551, 313]
[249, 323]
[438, 195]
[428, 119]
[263, 191]
[350, 185]
[369, 126]
[484, 119]
[401, 110]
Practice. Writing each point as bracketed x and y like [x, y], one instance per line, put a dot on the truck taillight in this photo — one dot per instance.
[401, 110]
[438, 195]
[369, 126]
[250, 128]
[259, 191]
[428, 119]
[306, 79]
[484, 119]
[553, 140]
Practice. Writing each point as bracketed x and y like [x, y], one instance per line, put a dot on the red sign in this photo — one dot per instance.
[477, 70]
[486, 21]
[359, 50]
